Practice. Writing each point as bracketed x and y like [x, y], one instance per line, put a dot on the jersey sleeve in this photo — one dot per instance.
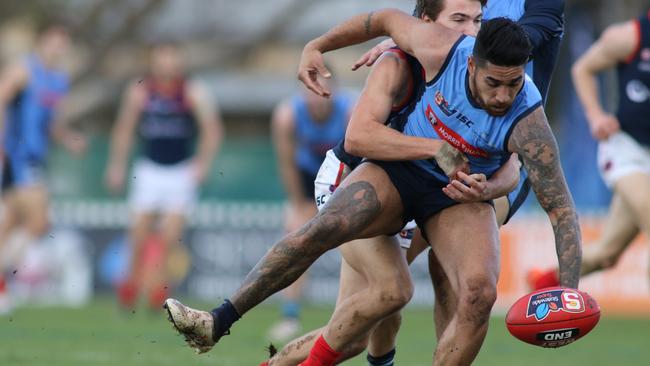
[543, 20]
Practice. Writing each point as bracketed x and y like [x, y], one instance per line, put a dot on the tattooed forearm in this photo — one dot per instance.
[533, 140]
[347, 213]
[368, 23]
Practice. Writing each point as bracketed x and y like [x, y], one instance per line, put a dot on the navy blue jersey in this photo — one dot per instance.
[397, 117]
[543, 22]
[167, 126]
[634, 86]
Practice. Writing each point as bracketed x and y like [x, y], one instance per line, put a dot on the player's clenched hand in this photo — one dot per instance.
[371, 56]
[603, 125]
[468, 188]
[451, 160]
[311, 65]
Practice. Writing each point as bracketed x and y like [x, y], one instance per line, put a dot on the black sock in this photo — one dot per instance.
[223, 317]
[385, 360]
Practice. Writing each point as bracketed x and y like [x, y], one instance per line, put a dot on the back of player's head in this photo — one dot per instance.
[433, 8]
[502, 42]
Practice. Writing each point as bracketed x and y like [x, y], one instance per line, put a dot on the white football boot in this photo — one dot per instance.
[195, 325]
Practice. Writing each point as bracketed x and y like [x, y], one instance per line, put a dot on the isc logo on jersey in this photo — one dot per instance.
[542, 304]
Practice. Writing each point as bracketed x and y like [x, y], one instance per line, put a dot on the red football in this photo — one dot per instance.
[553, 316]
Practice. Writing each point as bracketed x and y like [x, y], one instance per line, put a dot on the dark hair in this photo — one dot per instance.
[432, 8]
[502, 42]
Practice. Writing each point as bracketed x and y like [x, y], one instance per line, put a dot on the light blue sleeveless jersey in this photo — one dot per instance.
[313, 138]
[446, 111]
[29, 115]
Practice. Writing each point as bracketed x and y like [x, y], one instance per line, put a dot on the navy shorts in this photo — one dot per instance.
[421, 193]
[307, 181]
[517, 197]
[21, 173]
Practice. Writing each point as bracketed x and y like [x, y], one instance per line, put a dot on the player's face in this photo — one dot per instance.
[55, 45]
[166, 62]
[461, 15]
[495, 87]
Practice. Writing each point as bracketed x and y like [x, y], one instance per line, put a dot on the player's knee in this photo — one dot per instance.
[395, 295]
[477, 299]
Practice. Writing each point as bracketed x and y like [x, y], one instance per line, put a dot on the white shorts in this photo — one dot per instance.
[621, 155]
[162, 188]
[329, 177]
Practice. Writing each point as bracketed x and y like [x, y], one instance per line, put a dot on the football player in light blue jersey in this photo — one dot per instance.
[31, 100]
[484, 107]
[485, 84]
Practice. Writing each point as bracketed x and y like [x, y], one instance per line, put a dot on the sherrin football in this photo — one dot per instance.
[553, 316]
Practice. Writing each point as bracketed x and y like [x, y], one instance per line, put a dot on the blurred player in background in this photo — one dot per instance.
[623, 139]
[31, 95]
[304, 128]
[169, 113]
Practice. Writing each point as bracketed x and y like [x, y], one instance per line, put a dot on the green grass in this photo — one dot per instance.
[99, 335]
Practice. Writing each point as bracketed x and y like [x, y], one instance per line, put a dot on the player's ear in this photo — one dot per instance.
[426, 18]
[471, 66]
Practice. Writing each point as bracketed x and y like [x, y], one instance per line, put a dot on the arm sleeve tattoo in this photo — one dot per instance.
[533, 140]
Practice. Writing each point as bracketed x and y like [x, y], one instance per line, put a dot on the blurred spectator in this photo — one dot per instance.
[31, 92]
[168, 112]
[304, 128]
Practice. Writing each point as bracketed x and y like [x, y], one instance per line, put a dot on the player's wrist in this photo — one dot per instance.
[434, 148]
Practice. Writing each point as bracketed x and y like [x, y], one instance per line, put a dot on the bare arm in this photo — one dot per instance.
[429, 42]
[12, 80]
[616, 44]
[367, 135]
[533, 140]
[283, 131]
[122, 135]
[210, 125]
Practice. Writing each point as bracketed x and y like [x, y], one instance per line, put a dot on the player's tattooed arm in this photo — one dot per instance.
[533, 140]
[429, 42]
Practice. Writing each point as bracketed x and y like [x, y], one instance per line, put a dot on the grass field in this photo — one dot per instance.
[99, 335]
